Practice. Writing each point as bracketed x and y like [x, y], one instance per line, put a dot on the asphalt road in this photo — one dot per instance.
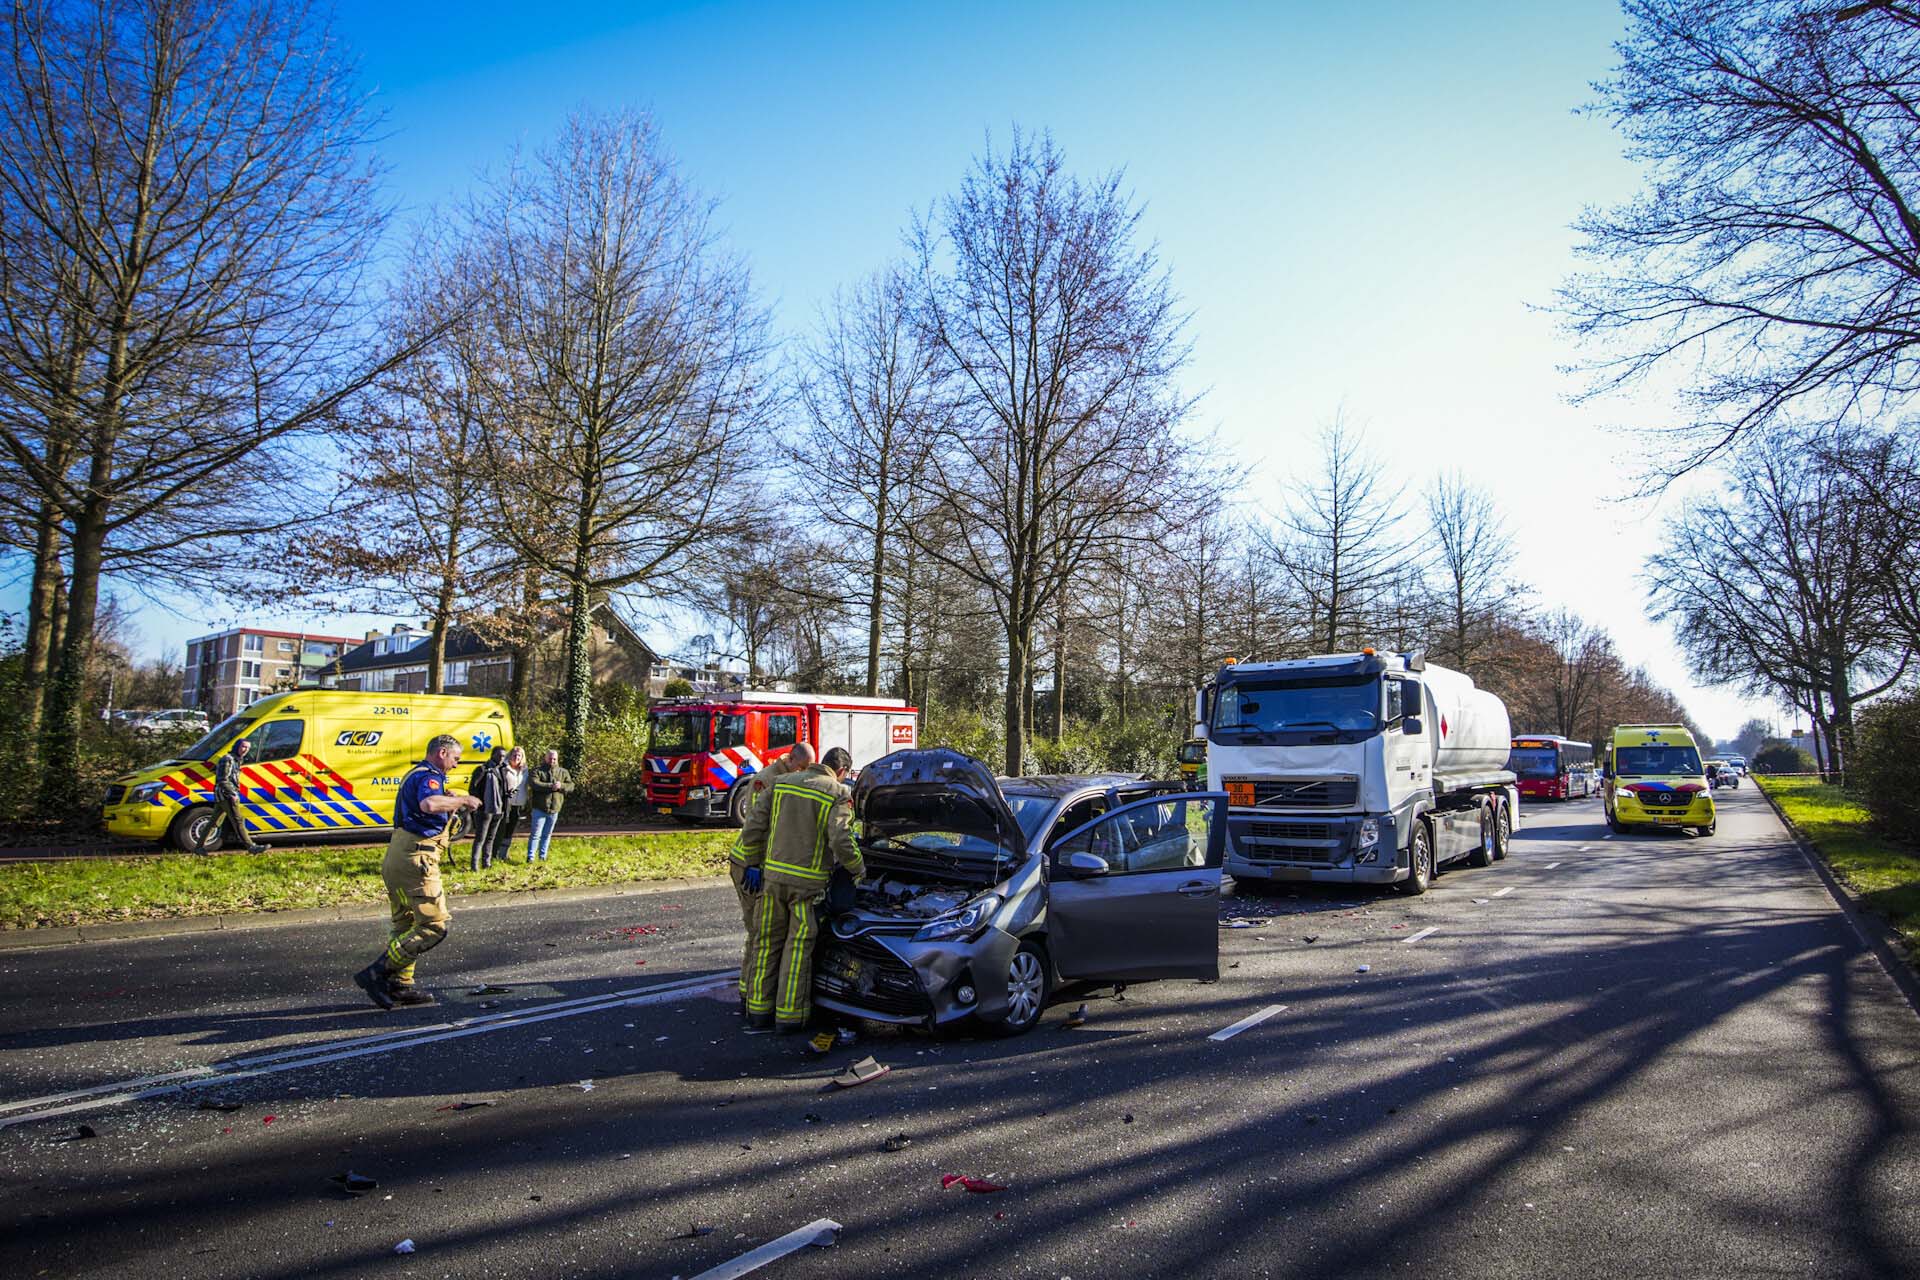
[1646, 1055]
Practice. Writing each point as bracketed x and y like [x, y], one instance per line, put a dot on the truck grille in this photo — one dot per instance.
[1274, 843]
[882, 983]
[666, 789]
[1306, 793]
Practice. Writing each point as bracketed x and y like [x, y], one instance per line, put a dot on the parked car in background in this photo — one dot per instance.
[175, 721]
[983, 894]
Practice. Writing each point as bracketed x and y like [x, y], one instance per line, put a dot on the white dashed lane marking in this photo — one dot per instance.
[1504, 892]
[1552, 865]
[1251, 1020]
[1415, 937]
[819, 1231]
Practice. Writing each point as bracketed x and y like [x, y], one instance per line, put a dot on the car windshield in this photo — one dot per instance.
[1193, 753]
[678, 732]
[1659, 760]
[1535, 762]
[1030, 809]
[217, 741]
[1251, 710]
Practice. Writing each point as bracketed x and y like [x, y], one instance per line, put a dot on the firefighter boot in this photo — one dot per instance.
[409, 996]
[373, 981]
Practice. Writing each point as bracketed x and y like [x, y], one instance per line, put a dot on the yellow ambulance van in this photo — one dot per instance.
[322, 761]
[1654, 778]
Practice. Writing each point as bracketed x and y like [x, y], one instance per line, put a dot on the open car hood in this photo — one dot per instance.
[935, 789]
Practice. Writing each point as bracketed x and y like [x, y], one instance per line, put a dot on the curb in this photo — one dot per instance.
[130, 930]
[1887, 946]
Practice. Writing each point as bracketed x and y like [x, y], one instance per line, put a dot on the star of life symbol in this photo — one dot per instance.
[483, 742]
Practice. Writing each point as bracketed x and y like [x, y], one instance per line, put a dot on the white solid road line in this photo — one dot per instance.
[1251, 1020]
[773, 1250]
[136, 1090]
[1415, 937]
[1504, 892]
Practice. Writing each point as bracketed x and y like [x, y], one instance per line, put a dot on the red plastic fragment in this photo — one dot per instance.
[979, 1186]
[268, 1119]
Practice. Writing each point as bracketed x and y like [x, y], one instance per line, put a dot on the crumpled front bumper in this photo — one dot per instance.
[896, 979]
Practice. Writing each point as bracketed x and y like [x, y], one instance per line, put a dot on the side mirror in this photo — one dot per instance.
[1410, 725]
[1082, 863]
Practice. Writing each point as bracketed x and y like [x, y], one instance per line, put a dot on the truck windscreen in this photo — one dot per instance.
[678, 732]
[1535, 762]
[1259, 710]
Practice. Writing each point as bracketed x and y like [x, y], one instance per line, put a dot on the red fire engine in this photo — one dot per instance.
[700, 747]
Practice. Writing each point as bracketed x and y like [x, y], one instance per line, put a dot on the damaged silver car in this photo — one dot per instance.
[983, 895]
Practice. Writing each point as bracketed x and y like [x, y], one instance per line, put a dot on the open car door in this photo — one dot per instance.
[1134, 894]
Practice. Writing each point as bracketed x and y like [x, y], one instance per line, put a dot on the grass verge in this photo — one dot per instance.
[93, 891]
[1884, 873]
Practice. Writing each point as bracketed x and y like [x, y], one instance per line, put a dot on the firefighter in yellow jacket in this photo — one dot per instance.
[759, 788]
[791, 843]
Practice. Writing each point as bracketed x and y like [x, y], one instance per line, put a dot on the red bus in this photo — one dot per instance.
[1551, 768]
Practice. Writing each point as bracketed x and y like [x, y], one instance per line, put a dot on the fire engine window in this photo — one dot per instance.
[782, 731]
[276, 740]
[729, 731]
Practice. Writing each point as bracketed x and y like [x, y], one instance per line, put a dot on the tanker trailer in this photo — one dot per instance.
[1357, 768]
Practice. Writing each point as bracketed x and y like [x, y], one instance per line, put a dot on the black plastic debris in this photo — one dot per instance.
[1312, 937]
[898, 1142]
[811, 1117]
[1127, 1118]
[466, 1106]
[80, 1134]
[216, 1104]
[354, 1184]
[858, 1074]
[693, 1232]
[491, 990]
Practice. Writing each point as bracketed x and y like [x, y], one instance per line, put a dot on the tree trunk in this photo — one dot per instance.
[1060, 669]
[579, 670]
[43, 599]
[1019, 687]
[60, 728]
[877, 584]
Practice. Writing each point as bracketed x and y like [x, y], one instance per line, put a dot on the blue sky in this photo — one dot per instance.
[1362, 206]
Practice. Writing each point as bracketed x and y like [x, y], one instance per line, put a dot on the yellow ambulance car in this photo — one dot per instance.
[1654, 778]
[321, 761]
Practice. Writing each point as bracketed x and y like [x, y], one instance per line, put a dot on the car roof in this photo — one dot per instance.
[1065, 784]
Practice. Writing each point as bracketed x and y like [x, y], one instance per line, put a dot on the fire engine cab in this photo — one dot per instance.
[699, 748]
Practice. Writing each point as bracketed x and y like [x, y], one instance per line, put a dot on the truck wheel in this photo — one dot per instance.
[1482, 855]
[1502, 830]
[197, 830]
[737, 804]
[1419, 861]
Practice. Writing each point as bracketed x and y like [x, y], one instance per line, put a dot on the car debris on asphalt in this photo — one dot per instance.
[466, 1106]
[215, 1104]
[405, 1246]
[859, 1073]
[898, 1142]
[979, 1186]
[491, 990]
[354, 1184]
[585, 1086]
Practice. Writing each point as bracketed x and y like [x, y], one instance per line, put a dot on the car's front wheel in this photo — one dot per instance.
[1028, 984]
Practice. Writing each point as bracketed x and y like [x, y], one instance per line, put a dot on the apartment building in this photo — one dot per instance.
[226, 672]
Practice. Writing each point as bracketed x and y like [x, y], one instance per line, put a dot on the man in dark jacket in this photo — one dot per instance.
[549, 786]
[487, 785]
[226, 794]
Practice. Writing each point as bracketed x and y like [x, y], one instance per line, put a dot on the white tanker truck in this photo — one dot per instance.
[1357, 768]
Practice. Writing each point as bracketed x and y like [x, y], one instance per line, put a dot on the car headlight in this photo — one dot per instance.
[145, 792]
[696, 793]
[965, 922]
[1369, 832]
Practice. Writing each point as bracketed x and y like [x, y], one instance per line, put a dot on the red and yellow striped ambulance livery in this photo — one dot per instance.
[321, 761]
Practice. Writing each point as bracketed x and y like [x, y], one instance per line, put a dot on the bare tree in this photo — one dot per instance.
[624, 375]
[1058, 343]
[1473, 554]
[868, 377]
[1342, 542]
[184, 209]
[1774, 258]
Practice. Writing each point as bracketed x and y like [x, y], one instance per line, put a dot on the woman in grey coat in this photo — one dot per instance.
[493, 809]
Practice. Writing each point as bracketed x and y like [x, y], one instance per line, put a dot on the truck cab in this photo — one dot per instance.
[1357, 768]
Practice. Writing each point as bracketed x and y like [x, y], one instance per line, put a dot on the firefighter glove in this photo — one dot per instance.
[751, 879]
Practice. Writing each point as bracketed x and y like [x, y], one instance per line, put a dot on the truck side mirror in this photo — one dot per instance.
[1410, 725]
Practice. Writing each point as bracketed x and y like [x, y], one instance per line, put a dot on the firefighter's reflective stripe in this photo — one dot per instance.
[823, 801]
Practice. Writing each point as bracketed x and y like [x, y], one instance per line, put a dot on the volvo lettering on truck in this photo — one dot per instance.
[1357, 768]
